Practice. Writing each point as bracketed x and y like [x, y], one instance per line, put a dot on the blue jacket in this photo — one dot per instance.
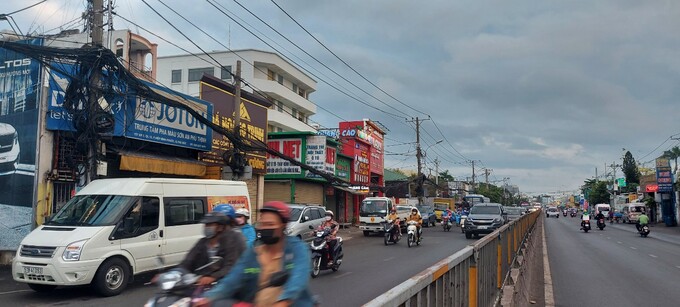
[243, 277]
[248, 232]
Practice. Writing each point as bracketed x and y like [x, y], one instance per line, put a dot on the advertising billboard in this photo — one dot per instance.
[289, 147]
[664, 176]
[253, 124]
[19, 96]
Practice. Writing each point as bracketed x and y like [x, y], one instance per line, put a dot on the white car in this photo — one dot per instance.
[9, 148]
[552, 212]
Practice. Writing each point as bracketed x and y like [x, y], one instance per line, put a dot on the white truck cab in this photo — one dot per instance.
[116, 228]
[373, 211]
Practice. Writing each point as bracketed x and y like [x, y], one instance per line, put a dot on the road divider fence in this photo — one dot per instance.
[473, 276]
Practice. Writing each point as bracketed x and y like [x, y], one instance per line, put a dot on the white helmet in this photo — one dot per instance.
[329, 212]
[243, 211]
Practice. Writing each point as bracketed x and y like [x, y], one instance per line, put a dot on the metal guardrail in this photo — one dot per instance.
[472, 277]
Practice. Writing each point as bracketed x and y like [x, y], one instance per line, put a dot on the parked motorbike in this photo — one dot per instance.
[601, 224]
[564, 213]
[586, 226]
[446, 223]
[412, 231]
[392, 232]
[322, 257]
[643, 231]
[178, 286]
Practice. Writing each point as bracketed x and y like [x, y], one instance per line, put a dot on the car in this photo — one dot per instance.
[514, 212]
[9, 148]
[428, 215]
[552, 212]
[484, 218]
[301, 217]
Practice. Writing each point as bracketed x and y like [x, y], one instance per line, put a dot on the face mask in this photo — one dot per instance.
[209, 232]
[328, 218]
[266, 236]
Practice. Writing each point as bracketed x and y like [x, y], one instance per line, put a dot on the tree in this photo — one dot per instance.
[446, 177]
[630, 169]
[598, 193]
[673, 154]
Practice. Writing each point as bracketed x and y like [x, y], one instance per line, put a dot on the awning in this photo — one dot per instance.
[352, 191]
[156, 165]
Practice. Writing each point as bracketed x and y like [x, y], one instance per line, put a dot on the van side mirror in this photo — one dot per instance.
[129, 224]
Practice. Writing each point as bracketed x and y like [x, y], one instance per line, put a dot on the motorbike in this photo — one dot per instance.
[564, 213]
[392, 232]
[446, 223]
[601, 224]
[412, 230]
[586, 226]
[643, 231]
[573, 214]
[178, 286]
[462, 223]
[322, 257]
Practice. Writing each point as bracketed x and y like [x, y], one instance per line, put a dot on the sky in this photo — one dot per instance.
[540, 92]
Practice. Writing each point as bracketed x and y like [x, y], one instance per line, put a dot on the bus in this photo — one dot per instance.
[473, 199]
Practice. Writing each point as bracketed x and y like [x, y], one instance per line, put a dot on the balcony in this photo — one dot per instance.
[282, 93]
[285, 121]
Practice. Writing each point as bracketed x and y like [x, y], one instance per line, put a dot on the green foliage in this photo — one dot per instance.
[445, 176]
[673, 154]
[598, 193]
[497, 194]
[630, 169]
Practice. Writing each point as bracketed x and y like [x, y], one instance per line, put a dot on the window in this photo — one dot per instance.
[302, 93]
[225, 73]
[316, 214]
[307, 215]
[295, 88]
[279, 79]
[176, 76]
[301, 116]
[195, 74]
[279, 105]
[294, 112]
[183, 211]
[270, 75]
[144, 214]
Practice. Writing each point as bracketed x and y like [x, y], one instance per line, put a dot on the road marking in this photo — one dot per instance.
[388, 259]
[653, 256]
[619, 242]
[677, 266]
[547, 277]
[608, 237]
[15, 291]
[633, 247]
[342, 275]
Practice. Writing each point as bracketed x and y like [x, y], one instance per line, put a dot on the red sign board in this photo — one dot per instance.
[652, 188]
[289, 147]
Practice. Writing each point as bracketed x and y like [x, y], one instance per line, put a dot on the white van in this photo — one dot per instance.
[632, 211]
[114, 229]
[375, 210]
[603, 208]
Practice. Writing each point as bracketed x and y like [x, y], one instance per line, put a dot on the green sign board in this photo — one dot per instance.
[621, 182]
[343, 167]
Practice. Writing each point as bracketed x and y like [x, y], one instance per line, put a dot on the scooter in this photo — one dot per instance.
[412, 231]
[573, 214]
[178, 286]
[462, 223]
[586, 226]
[564, 213]
[322, 257]
[446, 223]
[643, 231]
[601, 224]
[392, 232]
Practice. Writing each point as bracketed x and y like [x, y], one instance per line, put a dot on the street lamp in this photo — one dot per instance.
[428, 147]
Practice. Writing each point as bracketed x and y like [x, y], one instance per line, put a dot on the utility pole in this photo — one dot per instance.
[237, 100]
[473, 176]
[436, 178]
[486, 175]
[419, 156]
[96, 8]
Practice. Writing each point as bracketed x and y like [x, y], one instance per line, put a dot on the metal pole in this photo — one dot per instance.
[237, 100]
[97, 35]
[419, 155]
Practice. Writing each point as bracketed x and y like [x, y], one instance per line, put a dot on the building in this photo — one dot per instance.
[397, 185]
[267, 72]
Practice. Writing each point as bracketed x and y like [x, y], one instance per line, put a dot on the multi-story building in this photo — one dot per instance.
[268, 73]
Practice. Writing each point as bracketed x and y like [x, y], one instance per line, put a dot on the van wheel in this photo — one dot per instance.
[41, 288]
[111, 278]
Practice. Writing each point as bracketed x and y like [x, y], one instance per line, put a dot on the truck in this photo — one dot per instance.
[441, 204]
[374, 211]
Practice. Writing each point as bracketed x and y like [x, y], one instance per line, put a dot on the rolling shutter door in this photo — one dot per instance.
[308, 193]
[277, 190]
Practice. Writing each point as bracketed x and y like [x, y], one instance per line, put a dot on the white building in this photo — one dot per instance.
[266, 71]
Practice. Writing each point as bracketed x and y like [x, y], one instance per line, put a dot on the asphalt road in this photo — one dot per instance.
[613, 267]
[369, 269]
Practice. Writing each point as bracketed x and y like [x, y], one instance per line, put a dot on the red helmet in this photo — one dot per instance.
[279, 208]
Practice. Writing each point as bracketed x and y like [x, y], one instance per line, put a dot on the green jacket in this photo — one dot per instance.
[643, 219]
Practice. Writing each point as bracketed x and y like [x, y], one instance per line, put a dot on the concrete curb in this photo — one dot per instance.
[516, 291]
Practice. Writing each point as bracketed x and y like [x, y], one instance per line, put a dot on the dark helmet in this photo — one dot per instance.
[215, 217]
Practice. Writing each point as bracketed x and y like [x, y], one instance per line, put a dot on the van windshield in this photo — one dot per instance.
[373, 207]
[92, 210]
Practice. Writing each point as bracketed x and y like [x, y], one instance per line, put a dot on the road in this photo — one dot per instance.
[369, 269]
[613, 267]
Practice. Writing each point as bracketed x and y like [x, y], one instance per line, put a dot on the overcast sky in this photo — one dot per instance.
[542, 92]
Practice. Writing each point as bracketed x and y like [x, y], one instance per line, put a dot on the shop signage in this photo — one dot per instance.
[316, 154]
[664, 177]
[361, 169]
[343, 168]
[253, 124]
[331, 154]
[289, 147]
[652, 188]
[331, 133]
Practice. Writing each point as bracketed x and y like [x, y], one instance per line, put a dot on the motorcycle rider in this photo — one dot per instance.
[447, 216]
[246, 229]
[394, 217]
[331, 239]
[599, 216]
[415, 216]
[273, 251]
[643, 220]
[220, 240]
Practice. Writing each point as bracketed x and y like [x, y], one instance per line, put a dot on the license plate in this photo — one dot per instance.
[482, 227]
[33, 270]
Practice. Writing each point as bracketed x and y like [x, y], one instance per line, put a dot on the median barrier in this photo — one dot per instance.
[473, 276]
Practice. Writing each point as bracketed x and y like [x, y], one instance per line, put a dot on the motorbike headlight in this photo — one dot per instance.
[168, 280]
[73, 251]
[319, 234]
